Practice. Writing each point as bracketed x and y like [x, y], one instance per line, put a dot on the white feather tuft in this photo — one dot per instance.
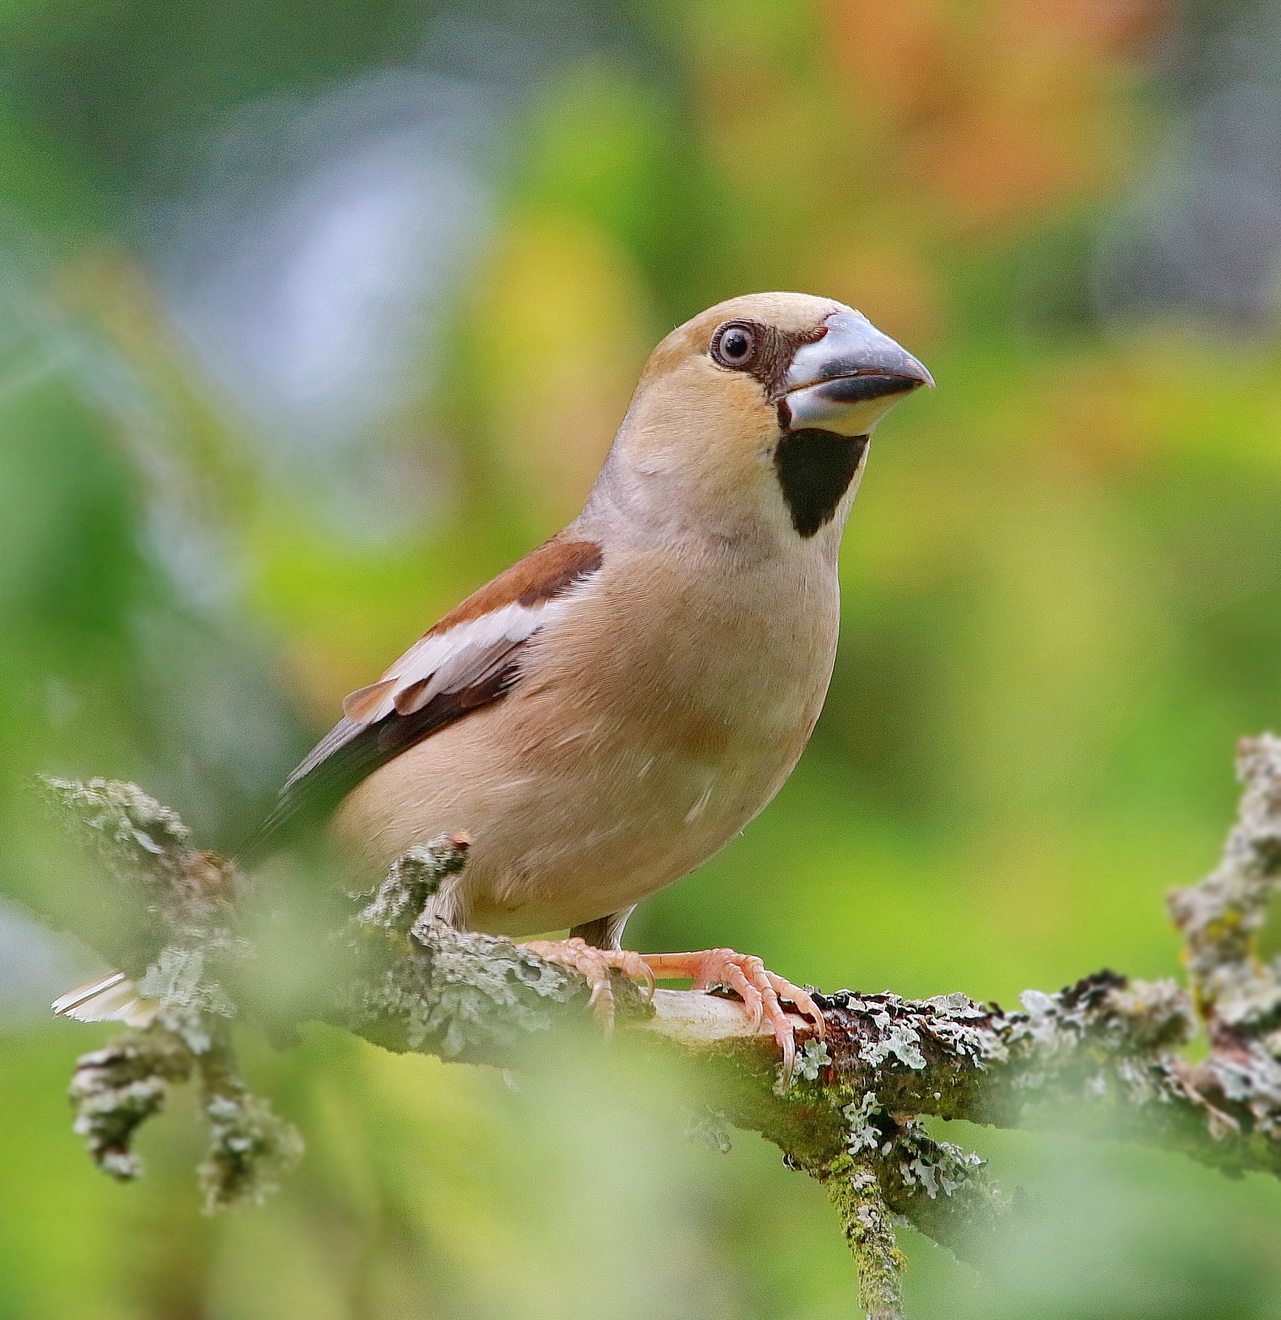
[111, 998]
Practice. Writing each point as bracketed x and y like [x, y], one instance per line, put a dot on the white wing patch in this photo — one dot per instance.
[466, 654]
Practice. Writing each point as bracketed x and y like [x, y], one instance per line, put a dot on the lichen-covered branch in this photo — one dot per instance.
[1238, 995]
[851, 1116]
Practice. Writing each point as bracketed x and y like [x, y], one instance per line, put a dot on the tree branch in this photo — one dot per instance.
[851, 1116]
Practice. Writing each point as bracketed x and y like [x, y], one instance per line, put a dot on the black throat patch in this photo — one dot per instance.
[815, 469]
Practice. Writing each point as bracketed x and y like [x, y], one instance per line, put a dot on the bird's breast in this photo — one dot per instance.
[695, 667]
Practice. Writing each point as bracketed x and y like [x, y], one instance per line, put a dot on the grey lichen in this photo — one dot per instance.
[938, 1168]
[426, 986]
[401, 900]
[127, 828]
[811, 1059]
[956, 1058]
[863, 1135]
[941, 1188]
[186, 903]
[116, 1089]
[891, 1166]
[183, 993]
[460, 994]
[251, 1149]
[146, 849]
[899, 1040]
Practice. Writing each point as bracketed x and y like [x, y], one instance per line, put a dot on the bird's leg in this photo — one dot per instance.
[761, 991]
[595, 966]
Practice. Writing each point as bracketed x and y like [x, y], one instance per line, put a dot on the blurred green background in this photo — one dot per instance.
[314, 316]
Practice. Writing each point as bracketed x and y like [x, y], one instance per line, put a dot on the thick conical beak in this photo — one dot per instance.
[849, 379]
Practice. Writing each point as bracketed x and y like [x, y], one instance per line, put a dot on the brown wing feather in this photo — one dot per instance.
[354, 748]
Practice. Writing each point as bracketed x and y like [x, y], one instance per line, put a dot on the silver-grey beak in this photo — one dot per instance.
[849, 379]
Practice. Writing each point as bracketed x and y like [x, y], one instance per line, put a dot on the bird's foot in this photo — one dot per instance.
[762, 992]
[595, 966]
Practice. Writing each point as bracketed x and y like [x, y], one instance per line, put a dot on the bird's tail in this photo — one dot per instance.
[112, 998]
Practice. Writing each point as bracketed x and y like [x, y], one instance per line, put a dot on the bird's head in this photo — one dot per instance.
[753, 418]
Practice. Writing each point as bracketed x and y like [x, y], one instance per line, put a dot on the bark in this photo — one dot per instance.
[1106, 1049]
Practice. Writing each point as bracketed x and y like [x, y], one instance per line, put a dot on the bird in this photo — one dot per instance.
[606, 714]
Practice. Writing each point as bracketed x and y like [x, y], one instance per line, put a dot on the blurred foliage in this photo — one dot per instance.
[1063, 589]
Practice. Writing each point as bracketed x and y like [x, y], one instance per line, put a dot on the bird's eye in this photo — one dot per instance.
[734, 345]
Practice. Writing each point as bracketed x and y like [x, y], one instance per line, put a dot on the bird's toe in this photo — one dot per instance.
[595, 966]
[763, 992]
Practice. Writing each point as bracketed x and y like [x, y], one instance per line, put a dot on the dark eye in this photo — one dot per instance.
[734, 345]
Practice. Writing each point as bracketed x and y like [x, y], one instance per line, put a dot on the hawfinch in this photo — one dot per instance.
[611, 710]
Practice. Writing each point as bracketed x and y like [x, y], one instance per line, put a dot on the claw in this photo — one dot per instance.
[804, 1003]
[761, 991]
[787, 1043]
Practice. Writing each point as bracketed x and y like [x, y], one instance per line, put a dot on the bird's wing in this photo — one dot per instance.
[470, 659]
